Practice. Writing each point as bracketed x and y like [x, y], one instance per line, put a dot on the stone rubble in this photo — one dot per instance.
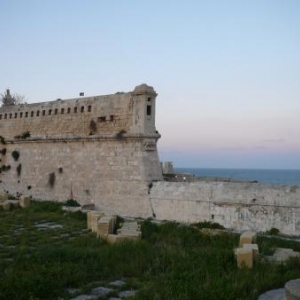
[291, 291]
[105, 226]
[103, 291]
[7, 204]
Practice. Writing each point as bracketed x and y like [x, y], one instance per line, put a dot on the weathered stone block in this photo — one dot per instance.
[106, 225]
[24, 202]
[5, 205]
[13, 203]
[247, 237]
[92, 220]
[254, 248]
[283, 254]
[244, 258]
[3, 197]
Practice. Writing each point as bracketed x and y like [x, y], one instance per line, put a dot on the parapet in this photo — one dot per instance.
[132, 113]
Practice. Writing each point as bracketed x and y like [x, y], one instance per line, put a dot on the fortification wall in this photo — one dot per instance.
[241, 206]
[112, 174]
[99, 150]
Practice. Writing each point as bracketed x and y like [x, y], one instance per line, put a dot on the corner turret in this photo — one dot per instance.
[143, 122]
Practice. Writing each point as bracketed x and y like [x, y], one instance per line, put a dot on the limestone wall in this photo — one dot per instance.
[242, 206]
[112, 174]
[99, 150]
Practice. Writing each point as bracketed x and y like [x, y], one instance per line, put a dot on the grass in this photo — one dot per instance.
[172, 261]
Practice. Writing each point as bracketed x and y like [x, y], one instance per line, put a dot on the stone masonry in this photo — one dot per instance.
[99, 150]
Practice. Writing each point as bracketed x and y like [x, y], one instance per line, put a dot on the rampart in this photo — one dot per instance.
[99, 150]
[102, 150]
[241, 206]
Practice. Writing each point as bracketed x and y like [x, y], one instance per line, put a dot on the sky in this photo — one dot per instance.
[227, 73]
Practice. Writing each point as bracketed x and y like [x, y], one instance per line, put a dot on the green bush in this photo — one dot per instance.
[207, 224]
[72, 203]
[15, 154]
[273, 231]
[25, 134]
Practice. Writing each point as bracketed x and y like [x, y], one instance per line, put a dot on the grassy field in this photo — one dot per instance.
[44, 251]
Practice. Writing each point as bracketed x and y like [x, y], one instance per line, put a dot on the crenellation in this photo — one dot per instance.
[111, 113]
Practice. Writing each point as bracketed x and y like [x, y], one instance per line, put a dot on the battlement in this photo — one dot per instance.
[131, 113]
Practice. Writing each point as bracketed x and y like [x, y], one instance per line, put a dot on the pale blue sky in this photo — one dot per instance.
[227, 72]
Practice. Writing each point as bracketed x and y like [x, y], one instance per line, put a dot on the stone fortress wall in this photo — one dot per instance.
[236, 205]
[99, 150]
[102, 150]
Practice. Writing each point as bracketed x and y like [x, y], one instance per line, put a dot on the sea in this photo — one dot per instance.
[281, 177]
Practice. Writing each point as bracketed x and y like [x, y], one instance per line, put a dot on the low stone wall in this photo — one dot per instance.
[241, 206]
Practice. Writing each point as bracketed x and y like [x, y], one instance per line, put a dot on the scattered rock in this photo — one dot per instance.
[283, 254]
[101, 291]
[65, 235]
[292, 289]
[72, 292]
[48, 225]
[84, 297]
[126, 294]
[117, 283]
[278, 294]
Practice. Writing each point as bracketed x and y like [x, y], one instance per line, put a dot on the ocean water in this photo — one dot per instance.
[290, 177]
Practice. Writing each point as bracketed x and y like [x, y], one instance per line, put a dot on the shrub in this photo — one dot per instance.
[25, 134]
[5, 168]
[273, 231]
[72, 203]
[210, 225]
[15, 154]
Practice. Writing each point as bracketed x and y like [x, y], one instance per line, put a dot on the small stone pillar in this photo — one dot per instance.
[247, 237]
[24, 202]
[3, 197]
[254, 248]
[92, 220]
[244, 258]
